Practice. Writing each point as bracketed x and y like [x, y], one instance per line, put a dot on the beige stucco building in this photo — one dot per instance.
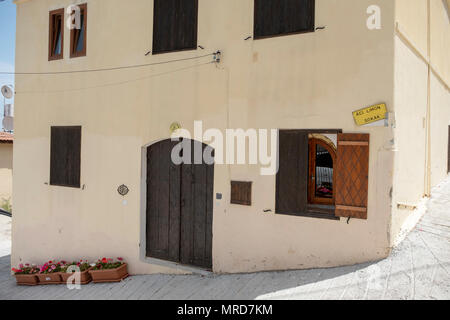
[308, 81]
[6, 169]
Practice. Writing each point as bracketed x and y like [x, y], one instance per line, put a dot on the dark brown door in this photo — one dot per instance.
[179, 207]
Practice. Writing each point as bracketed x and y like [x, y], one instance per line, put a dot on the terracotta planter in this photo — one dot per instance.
[109, 275]
[85, 277]
[49, 278]
[27, 279]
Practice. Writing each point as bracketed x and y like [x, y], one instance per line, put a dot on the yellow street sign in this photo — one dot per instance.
[370, 114]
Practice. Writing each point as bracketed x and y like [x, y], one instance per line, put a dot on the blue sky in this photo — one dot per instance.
[7, 44]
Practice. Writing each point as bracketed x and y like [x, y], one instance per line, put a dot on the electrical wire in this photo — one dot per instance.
[116, 83]
[105, 69]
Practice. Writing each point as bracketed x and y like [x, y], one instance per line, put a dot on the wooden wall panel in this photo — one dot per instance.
[352, 175]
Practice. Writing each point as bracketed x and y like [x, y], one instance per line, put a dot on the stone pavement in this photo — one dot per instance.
[417, 269]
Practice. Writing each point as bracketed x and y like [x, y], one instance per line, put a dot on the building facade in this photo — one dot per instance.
[6, 168]
[96, 105]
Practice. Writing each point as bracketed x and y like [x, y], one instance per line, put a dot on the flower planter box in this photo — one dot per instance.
[109, 275]
[49, 278]
[26, 279]
[85, 277]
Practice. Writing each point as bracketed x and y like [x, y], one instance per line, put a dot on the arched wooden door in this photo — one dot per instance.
[179, 207]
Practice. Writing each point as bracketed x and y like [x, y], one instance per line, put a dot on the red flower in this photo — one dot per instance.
[104, 260]
[120, 259]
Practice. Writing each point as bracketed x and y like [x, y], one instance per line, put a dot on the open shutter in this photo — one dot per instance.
[352, 175]
[292, 176]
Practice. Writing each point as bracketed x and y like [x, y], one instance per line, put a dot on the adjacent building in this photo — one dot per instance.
[6, 168]
[95, 107]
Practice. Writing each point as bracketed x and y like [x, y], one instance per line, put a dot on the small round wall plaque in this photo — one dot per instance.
[123, 190]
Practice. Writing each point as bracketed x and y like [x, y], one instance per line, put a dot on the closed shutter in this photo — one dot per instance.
[241, 193]
[352, 175]
[175, 25]
[283, 17]
[292, 176]
[65, 156]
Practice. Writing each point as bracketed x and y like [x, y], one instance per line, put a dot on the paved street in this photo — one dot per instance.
[417, 269]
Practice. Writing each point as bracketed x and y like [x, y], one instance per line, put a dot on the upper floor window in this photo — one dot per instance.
[175, 25]
[78, 34]
[281, 17]
[56, 35]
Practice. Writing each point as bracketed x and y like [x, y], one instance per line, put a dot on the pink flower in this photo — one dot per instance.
[53, 267]
[120, 259]
[20, 266]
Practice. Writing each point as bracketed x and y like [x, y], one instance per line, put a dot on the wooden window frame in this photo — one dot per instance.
[312, 198]
[311, 211]
[76, 185]
[348, 203]
[52, 39]
[75, 32]
[262, 37]
[190, 48]
[245, 187]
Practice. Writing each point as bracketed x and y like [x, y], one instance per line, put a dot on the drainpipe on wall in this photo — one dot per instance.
[428, 133]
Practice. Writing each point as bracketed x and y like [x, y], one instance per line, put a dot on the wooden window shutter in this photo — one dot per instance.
[241, 193]
[292, 176]
[352, 175]
[175, 25]
[272, 18]
[65, 156]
